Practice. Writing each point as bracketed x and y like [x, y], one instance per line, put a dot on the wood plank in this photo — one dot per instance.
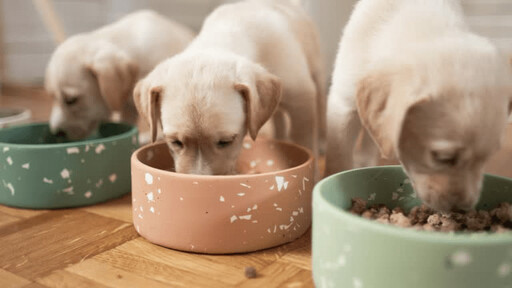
[160, 271]
[300, 258]
[6, 219]
[20, 213]
[34, 285]
[120, 209]
[66, 279]
[10, 280]
[228, 269]
[58, 239]
[279, 275]
[113, 277]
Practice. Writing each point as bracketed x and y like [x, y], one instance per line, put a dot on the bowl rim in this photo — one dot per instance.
[166, 173]
[477, 239]
[132, 131]
[21, 114]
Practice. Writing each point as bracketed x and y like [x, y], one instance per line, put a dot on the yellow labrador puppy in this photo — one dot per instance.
[249, 59]
[92, 74]
[427, 90]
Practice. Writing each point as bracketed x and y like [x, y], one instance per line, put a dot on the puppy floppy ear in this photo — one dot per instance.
[261, 91]
[372, 99]
[115, 72]
[147, 101]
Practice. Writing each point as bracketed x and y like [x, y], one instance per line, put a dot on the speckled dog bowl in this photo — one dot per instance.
[10, 116]
[350, 251]
[224, 214]
[39, 170]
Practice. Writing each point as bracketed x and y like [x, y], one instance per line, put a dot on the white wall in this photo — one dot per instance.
[27, 45]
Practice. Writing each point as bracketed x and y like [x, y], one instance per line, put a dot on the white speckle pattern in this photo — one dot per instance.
[5, 149]
[26, 166]
[279, 209]
[394, 196]
[99, 149]
[88, 194]
[151, 197]
[46, 180]
[279, 182]
[245, 185]
[272, 187]
[247, 145]
[254, 221]
[245, 217]
[504, 270]
[9, 186]
[304, 180]
[87, 148]
[73, 150]
[294, 176]
[99, 183]
[149, 178]
[221, 198]
[141, 209]
[137, 228]
[372, 196]
[255, 207]
[301, 210]
[112, 177]
[270, 162]
[64, 173]
[68, 190]
[253, 164]
[152, 209]
[9, 160]
[241, 194]
[407, 181]
[195, 183]
[233, 218]
[140, 216]
[82, 160]
[181, 198]
[357, 283]
[295, 213]
[461, 258]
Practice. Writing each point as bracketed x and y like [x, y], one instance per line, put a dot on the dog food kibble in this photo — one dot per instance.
[250, 272]
[498, 220]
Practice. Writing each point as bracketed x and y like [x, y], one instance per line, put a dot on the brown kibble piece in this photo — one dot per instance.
[423, 218]
[358, 206]
[250, 272]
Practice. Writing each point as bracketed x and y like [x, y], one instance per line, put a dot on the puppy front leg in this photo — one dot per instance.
[368, 155]
[342, 130]
[304, 126]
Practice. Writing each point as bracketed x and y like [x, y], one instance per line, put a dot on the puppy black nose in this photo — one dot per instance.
[60, 133]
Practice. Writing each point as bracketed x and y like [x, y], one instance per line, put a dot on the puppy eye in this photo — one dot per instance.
[224, 143]
[177, 144]
[445, 159]
[70, 100]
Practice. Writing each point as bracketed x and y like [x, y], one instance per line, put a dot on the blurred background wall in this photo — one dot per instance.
[26, 44]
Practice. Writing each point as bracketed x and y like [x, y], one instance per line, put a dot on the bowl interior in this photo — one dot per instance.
[267, 156]
[40, 134]
[390, 186]
[9, 112]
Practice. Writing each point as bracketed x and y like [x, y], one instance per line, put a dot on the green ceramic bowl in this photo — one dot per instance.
[350, 251]
[39, 170]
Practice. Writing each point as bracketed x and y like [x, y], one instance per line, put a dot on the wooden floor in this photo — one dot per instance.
[98, 246]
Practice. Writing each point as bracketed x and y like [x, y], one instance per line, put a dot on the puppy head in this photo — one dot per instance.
[87, 81]
[205, 105]
[442, 126]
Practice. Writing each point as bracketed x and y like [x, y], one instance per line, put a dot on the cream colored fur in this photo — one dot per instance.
[250, 58]
[427, 91]
[92, 74]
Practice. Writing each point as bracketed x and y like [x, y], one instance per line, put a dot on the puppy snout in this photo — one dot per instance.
[60, 133]
[445, 194]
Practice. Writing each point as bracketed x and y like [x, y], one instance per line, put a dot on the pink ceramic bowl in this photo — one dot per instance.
[224, 214]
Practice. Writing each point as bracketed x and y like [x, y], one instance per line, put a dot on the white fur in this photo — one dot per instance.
[422, 52]
[137, 41]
